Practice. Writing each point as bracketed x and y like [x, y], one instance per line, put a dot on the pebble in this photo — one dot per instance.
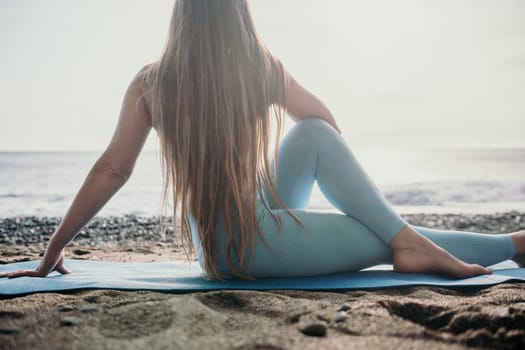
[344, 307]
[65, 308]
[69, 321]
[340, 316]
[315, 329]
[122, 229]
[130, 228]
[87, 309]
[81, 252]
[9, 330]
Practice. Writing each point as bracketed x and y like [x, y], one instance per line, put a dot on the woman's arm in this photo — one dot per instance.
[109, 173]
[302, 104]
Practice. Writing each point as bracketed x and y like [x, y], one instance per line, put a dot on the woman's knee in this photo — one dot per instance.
[308, 132]
[312, 127]
[314, 124]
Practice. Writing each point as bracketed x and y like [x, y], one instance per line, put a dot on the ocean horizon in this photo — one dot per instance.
[433, 180]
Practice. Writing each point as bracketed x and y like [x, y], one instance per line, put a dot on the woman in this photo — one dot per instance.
[211, 97]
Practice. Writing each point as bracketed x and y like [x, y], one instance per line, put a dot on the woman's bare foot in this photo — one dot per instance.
[519, 243]
[416, 253]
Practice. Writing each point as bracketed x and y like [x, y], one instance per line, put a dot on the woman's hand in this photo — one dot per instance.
[51, 262]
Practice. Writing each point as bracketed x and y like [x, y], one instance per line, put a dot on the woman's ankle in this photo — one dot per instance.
[518, 238]
[407, 238]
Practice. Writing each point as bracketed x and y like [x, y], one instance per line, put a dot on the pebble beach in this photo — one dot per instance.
[415, 317]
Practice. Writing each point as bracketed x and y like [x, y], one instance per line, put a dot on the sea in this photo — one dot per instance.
[413, 181]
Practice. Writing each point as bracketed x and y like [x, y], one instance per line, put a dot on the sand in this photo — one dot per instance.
[400, 318]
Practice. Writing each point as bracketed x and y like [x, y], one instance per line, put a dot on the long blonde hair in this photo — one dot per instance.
[212, 93]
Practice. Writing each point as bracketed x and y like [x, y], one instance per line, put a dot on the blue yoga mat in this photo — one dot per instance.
[183, 277]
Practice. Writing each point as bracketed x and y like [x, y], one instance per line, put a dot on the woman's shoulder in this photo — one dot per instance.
[142, 77]
[141, 82]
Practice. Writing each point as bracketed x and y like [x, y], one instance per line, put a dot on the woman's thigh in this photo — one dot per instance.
[327, 243]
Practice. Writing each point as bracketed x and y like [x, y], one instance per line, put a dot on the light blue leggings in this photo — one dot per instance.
[332, 242]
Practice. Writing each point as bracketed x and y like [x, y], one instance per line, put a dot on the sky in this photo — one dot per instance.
[405, 73]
